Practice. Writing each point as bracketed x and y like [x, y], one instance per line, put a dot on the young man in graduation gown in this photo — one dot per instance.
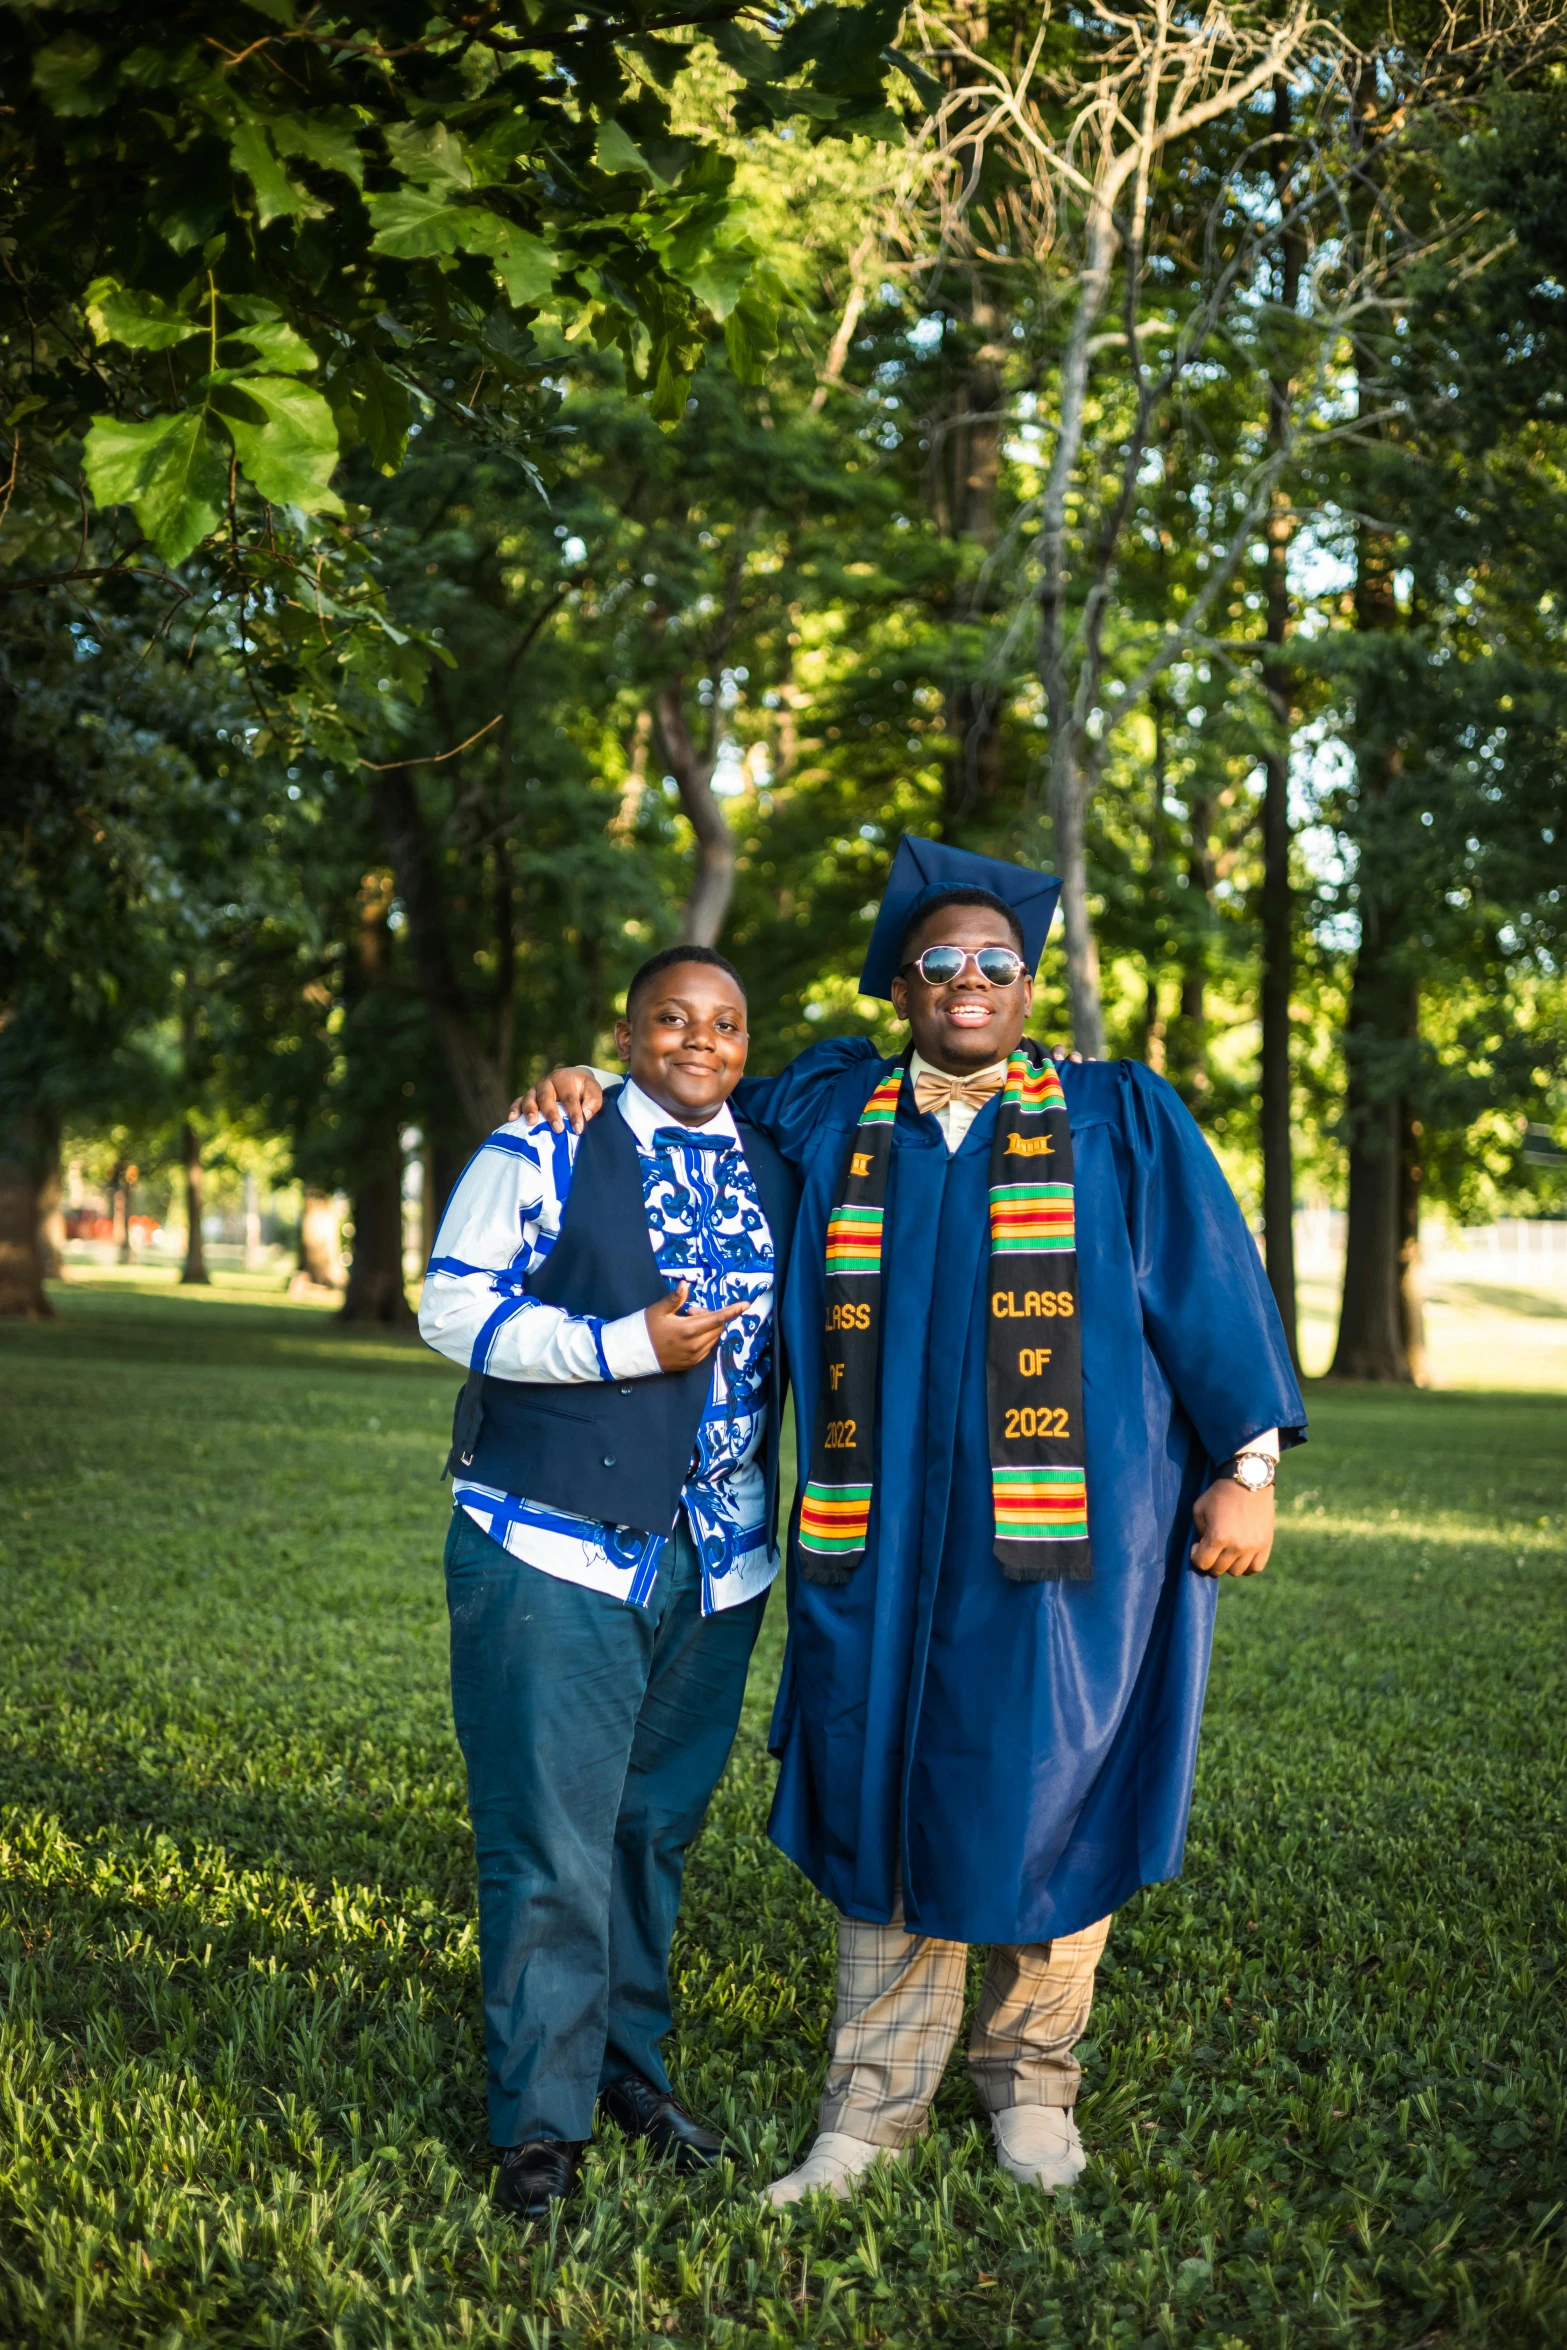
[1040, 1382]
[615, 1479]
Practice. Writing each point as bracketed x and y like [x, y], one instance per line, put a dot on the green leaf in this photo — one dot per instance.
[665, 60]
[63, 72]
[411, 226]
[429, 154]
[169, 470]
[277, 196]
[616, 151]
[754, 59]
[718, 278]
[751, 336]
[671, 387]
[923, 82]
[525, 265]
[872, 122]
[276, 344]
[118, 314]
[374, 408]
[326, 138]
[290, 456]
[280, 11]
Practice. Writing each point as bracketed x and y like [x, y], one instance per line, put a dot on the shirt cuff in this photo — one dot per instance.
[1267, 1442]
[627, 1348]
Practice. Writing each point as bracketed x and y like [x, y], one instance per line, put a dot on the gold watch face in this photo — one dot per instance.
[1253, 1472]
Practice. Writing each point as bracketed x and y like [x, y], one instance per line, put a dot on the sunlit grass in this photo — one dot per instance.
[240, 2072]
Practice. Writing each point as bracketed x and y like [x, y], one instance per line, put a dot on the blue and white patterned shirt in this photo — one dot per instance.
[707, 1227]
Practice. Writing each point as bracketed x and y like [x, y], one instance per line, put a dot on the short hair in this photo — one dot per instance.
[958, 897]
[666, 959]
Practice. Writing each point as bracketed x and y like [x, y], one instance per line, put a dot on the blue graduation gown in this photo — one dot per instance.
[1018, 1756]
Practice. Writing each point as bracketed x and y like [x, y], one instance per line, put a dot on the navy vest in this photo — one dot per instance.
[616, 1450]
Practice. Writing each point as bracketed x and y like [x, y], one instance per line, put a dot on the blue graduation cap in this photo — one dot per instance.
[923, 869]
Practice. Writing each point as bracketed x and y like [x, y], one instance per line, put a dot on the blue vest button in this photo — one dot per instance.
[625, 1391]
[609, 1460]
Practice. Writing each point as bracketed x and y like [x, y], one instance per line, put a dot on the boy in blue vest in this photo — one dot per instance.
[613, 1540]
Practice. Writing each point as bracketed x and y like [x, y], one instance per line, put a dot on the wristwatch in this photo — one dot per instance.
[1253, 1470]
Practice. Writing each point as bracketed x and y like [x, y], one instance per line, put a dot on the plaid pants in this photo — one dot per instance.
[900, 2003]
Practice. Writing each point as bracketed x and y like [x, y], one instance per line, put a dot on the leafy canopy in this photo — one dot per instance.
[243, 238]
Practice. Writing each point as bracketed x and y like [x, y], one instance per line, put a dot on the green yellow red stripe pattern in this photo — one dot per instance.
[1032, 1219]
[854, 1239]
[1031, 1090]
[882, 1107]
[834, 1518]
[1040, 1505]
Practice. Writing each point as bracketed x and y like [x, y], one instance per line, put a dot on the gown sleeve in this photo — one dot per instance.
[1207, 1308]
[789, 1108]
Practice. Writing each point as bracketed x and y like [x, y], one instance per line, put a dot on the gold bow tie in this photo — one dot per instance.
[934, 1090]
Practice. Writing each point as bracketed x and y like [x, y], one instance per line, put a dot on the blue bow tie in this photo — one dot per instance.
[688, 1138]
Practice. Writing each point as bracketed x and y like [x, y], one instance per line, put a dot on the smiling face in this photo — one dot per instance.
[686, 1040]
[967, 1023]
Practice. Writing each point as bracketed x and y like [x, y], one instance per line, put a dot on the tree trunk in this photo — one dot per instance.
[966, 474]
[1381, 1043]
[22, 1172]
[120, 1211]
[481, 1082]
[1278, 1144]
[375, 1274]
[252, 1222]
[1187, 1047]
[320, 1255]
[1377, 1318]
[1069, 795]
[51, 1212]
[1153, 1025]
[195, 1273]
[1411, 1297]
[444, 1161]
[1381, 1309]
[708, 905]
[1278, 908]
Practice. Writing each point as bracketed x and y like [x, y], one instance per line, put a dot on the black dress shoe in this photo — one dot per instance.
[645, 2112]
[532, 2176]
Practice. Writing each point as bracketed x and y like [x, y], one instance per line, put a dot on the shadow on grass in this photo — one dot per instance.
[1536, 1304]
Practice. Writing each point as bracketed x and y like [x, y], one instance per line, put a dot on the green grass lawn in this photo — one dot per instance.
[240, 2073]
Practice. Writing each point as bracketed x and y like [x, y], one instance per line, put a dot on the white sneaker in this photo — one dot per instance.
[835, 2162]
[1039, 2146]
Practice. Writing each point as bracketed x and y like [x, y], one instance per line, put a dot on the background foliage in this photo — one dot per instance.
[678, 493]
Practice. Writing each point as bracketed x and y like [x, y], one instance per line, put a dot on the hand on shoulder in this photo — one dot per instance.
[573, 1094]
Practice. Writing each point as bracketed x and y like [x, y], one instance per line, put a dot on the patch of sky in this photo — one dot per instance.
[924, 334]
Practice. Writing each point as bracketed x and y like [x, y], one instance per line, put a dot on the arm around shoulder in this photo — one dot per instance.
[788, 1108]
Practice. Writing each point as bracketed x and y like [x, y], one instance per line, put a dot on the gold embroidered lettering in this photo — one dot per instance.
[855, 1317]
[1029, 1146]
[1032, 1360]
[859, 1162]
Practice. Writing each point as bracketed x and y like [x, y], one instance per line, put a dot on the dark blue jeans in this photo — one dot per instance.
[594, 1734]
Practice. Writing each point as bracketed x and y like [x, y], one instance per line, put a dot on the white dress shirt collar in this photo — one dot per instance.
[645, 1116]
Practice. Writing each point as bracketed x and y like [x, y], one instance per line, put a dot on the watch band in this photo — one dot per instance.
[1228, 1469]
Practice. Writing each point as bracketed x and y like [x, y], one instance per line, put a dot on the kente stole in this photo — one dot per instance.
[1033, 1350]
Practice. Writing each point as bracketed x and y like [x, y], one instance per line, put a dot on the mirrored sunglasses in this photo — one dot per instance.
[939, 966]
